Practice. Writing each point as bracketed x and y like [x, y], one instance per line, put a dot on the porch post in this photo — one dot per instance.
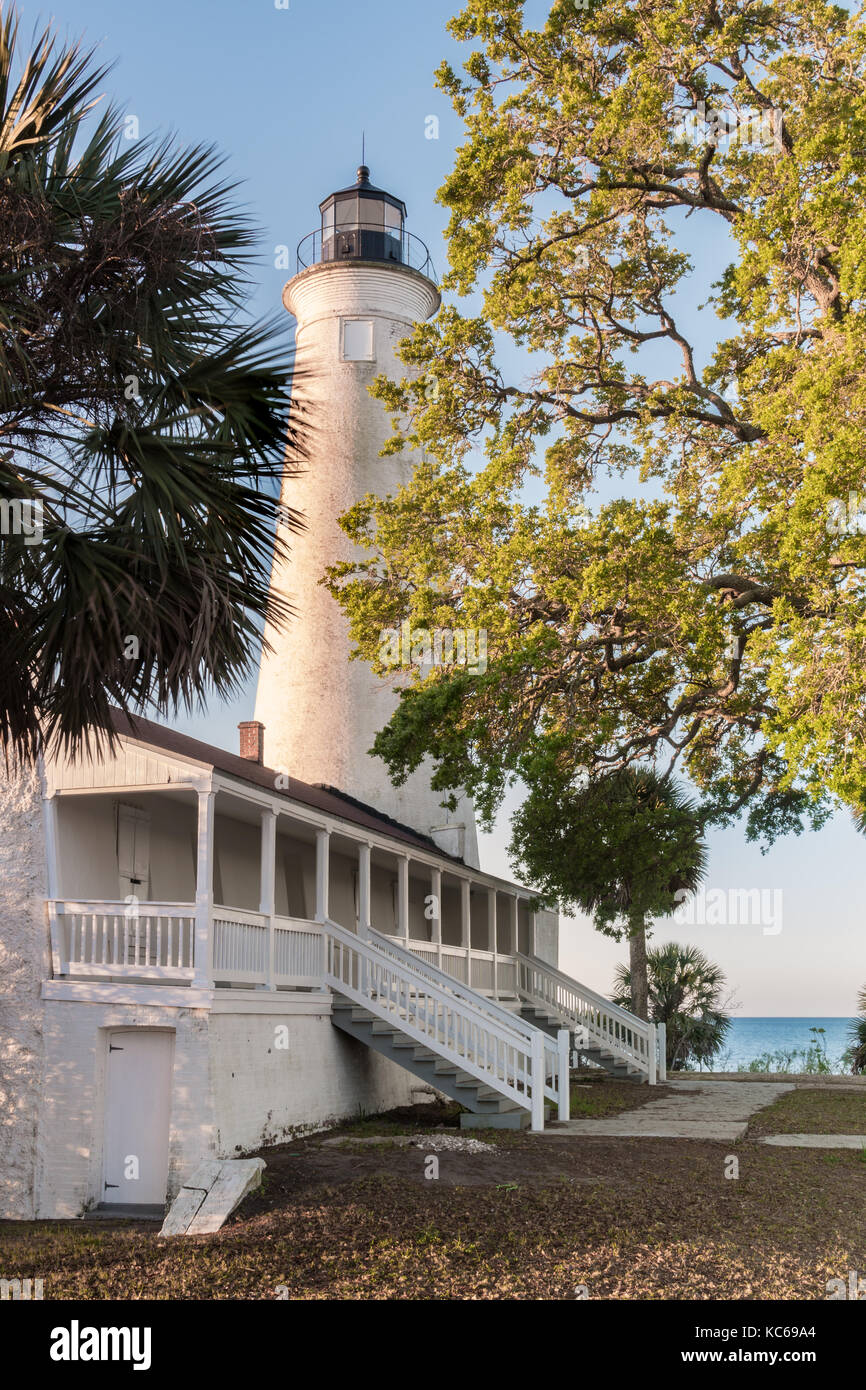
[59, 961]
[323, 847]
[563, 1044]
[267, 903]
[203, 953]
[662, 1039]
[436, 920]
[537, 1079]
[403, 899]
[512, 922]
[49, 813]
[364, 923]
[466, 927]
[492, 943]
[533, 922]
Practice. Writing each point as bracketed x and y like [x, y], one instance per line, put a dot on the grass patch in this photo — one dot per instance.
[818, 1110]
[594, 1099]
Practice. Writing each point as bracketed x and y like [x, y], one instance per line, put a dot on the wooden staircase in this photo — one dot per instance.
[596, 1052]
[506, 1066]
[498, 1111]
[625, 1046]
[502, 1068]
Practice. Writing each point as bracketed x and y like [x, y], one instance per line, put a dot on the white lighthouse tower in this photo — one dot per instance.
[362, 283]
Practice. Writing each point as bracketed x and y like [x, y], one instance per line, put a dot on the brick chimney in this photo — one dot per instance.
[252, 740]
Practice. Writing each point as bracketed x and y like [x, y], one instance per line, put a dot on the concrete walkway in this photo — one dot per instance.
[816, 1141]
[701, 1109]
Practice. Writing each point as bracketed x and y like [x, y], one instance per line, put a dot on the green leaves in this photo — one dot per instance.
[686, 993]
[710, 620]
[624, 848]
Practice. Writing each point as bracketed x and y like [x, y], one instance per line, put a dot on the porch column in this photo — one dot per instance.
[512, 923]
[323, 855]
[466, 927]
[364, 923]
[49, 813]
[513, 939]
[492, 943]
[436, 919]
[267, 902]
[403, 899]
[203, 954]
[59, 962]
[533, 918]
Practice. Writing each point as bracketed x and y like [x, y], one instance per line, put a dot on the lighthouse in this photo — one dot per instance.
[362, 283]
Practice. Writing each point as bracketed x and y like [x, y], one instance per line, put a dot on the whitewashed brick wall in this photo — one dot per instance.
[263, 1094]
[24, 958]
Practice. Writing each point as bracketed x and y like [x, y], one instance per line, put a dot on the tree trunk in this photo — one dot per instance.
[638, 969]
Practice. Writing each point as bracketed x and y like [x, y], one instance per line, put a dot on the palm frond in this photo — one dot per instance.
[139, 410]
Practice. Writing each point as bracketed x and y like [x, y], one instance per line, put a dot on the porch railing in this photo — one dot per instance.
[156, 941]
[251, 949]
[97, 939]
[488, 972]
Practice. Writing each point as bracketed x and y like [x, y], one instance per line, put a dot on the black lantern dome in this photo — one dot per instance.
[362, 222]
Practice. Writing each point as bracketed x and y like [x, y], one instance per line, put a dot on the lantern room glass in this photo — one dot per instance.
[362, 223]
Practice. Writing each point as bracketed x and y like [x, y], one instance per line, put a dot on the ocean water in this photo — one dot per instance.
[750, 1037]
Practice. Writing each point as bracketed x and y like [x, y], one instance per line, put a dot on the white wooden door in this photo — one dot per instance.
[137, 1111]
[133, 852]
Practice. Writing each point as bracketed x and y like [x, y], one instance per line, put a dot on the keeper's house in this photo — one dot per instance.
[175, 925]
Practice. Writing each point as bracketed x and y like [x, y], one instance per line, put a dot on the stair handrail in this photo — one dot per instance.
[642, 1050]
[530, 1046]
[555, 1055]
[456, 987]
[591, 995]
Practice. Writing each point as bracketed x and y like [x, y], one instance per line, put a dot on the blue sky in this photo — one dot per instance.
[286, 93]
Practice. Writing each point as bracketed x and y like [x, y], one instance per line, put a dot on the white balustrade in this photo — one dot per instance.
[455, 962]
[299, 956]
[240, 946]
[482, 971]
[241, 949]
[606, 1025]
[426, 1004]
[105, 939]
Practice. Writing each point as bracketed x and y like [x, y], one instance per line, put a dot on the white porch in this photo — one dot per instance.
[224, 891]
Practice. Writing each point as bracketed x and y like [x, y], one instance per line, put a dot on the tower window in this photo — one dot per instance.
[357, 340]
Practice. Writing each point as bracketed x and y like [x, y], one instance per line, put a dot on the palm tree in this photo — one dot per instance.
[142, 421]
[686, 994]
[856, 1053]
[624, 848]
